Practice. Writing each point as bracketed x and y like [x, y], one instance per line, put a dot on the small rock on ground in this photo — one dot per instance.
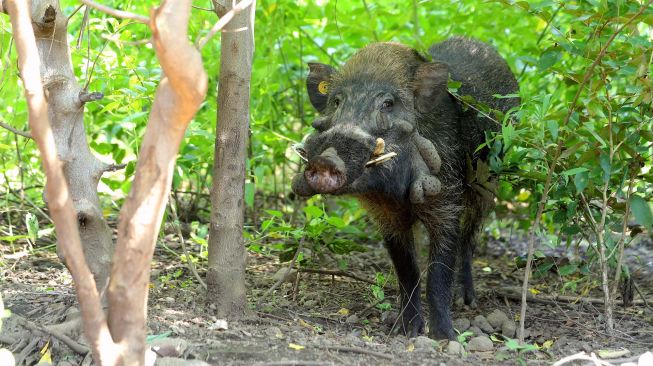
[482, 323]
[424, 343]
[273, 332]
[476, 330]
[480, 344]
[508, 328]
[169, 347]
[496, 318]
[461, 324]
[352, 319]
[281, 273]
[454, 348]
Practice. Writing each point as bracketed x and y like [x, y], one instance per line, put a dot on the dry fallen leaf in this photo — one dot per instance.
[296, 347]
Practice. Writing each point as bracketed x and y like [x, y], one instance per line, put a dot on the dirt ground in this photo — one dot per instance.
[322, 319]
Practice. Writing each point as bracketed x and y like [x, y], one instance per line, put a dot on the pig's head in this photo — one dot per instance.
[369, 109]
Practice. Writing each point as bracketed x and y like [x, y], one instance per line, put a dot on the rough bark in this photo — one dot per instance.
[60, 197]
[227, 255]
[178, 97]
[81, 168]
[120, 339]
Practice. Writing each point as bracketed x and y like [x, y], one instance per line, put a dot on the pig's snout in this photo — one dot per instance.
[326, 172]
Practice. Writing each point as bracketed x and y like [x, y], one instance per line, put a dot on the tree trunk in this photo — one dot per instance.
[66, 113]
[226, 268]
[118, 339]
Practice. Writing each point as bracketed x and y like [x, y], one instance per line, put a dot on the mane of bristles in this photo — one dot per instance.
[381, 62]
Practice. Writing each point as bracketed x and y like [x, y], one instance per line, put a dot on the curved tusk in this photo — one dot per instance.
[299, 150]
[379, 148]
[381, 159]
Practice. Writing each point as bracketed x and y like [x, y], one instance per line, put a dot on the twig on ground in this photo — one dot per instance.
[272, 316]
[30, 348]
[26, 135]
[643, 299]
[285, 275]
[335, 273]
[583, 356]
[554, 299]
[358, 350]
[362, 313]
[117, 13]
[177, 226]
[7, 339]
[72, 344]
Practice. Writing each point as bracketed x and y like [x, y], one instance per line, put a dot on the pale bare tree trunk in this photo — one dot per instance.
[120, 339]
[227, 255]
[81, 168]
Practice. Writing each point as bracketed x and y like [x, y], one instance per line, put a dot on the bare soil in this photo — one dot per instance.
[318, 319]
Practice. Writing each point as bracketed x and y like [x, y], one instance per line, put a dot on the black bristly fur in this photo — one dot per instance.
[355, 114]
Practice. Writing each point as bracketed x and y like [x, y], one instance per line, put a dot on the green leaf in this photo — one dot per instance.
[32, 224]
[336, 221]
[567, 269]
[249, 194]
[574, 171]
[549, 58]
[313, 212]
[274, 213]
[508, 131]
[552, 126]
[604, 160]
[580, 181]
[641, 210]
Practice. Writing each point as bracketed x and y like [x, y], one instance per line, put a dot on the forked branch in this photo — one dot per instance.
[59, 198]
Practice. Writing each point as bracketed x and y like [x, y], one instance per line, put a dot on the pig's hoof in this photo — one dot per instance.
[470, 298]
[466, 297]
[413, 327]
[442, 334]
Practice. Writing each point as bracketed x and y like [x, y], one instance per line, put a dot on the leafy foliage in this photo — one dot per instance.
[585, 123]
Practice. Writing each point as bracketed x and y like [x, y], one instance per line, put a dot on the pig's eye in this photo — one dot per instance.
[336, 101]
[387, 105]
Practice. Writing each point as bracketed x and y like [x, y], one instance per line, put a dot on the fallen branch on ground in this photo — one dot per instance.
[335, 273]
[358, 350]
[552, 299]
[72, 344]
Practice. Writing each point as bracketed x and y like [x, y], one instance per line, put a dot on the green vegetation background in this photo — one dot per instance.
[604, 134]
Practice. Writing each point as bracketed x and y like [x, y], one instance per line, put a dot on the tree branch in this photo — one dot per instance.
[26, 135]
[59, 198]
[86, 97]
[117, 13]
[178, 97]
[223, 20]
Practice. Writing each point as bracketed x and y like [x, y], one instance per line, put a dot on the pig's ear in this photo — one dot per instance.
[317, 84]
[429, 84]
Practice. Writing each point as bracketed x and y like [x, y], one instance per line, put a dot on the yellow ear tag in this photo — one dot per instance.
[323, 87]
